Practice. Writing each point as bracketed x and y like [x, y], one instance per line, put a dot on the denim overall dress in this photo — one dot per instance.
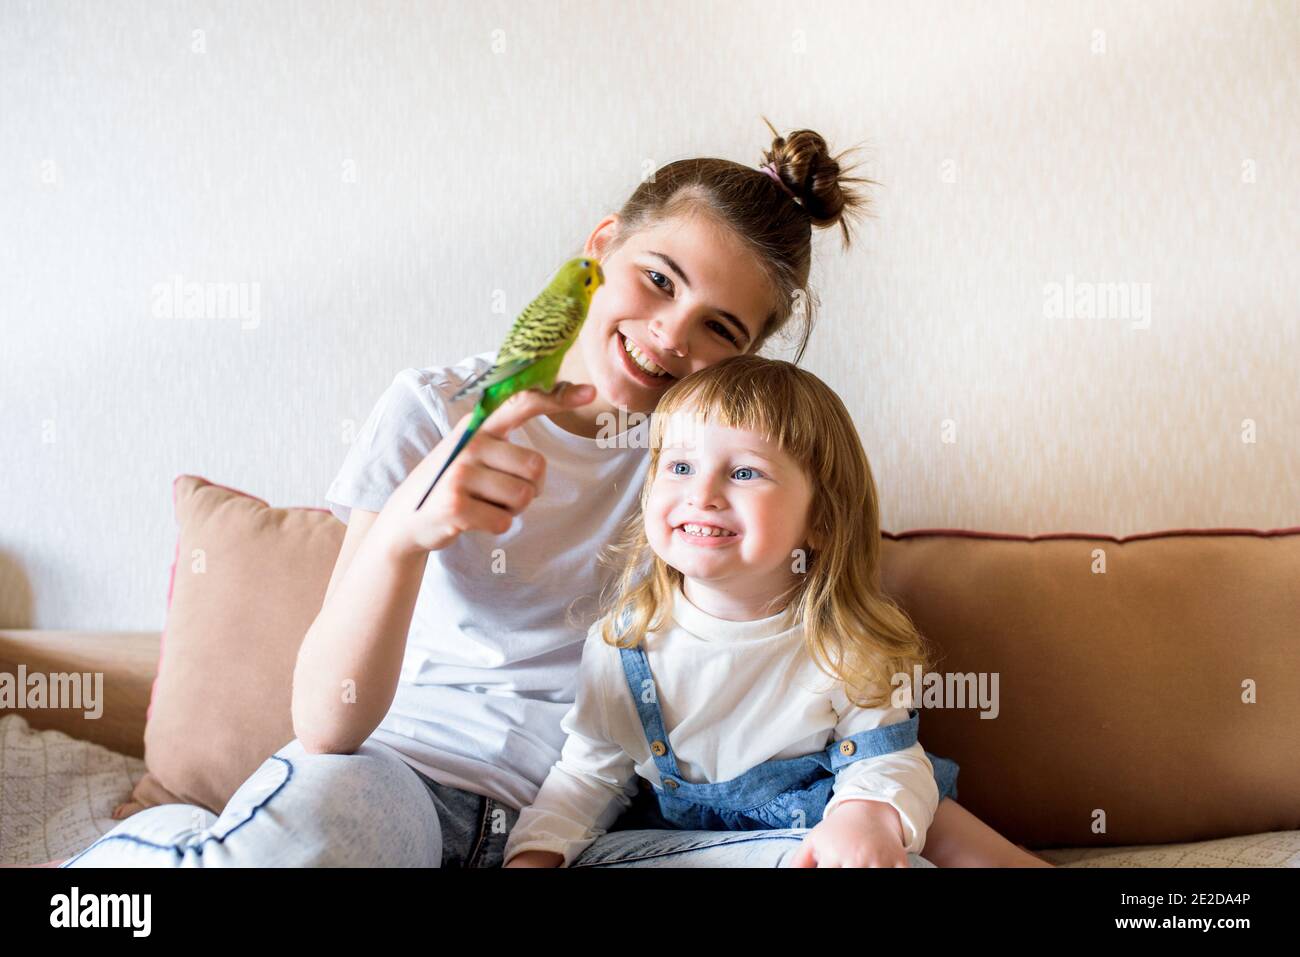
[780, 793]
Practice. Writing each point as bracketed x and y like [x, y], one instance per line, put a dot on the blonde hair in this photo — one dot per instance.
[851, 629]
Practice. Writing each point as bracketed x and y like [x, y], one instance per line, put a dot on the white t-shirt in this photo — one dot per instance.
[733, 694]
[492, 655]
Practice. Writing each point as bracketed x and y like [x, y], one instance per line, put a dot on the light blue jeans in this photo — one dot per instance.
[372, 809]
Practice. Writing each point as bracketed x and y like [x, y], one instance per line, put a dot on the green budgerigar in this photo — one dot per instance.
[531, 355]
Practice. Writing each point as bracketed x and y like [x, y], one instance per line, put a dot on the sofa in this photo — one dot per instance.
[1112, 702]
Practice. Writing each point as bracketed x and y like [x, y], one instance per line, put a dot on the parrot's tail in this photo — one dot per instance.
[475, 421]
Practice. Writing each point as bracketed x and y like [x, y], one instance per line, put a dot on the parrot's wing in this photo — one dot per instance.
[481, 381]
[546, 324]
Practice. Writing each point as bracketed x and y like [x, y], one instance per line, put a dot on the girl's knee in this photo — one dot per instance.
[296, 810]
[368, 808]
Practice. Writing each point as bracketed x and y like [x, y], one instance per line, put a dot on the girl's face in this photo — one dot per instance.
[685, 293]
[751, 497]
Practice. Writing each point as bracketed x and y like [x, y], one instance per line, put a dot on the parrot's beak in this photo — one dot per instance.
[597, 277]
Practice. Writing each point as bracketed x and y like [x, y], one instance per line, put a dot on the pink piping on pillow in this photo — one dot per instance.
[1170, 533]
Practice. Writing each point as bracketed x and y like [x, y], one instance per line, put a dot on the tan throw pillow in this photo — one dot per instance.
[1125, 695]
[247, 582]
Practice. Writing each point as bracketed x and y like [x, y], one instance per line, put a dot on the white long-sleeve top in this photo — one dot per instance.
[733, 694]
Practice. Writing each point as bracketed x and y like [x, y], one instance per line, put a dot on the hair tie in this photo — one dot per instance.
[770, 170]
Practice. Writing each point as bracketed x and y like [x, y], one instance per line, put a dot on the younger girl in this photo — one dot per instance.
[747, 677]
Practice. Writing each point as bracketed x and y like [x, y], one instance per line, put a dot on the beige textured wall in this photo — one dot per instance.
[375, 171]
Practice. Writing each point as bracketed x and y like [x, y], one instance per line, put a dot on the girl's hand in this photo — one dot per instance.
[491, 481]
[857, 833]
[536, 859]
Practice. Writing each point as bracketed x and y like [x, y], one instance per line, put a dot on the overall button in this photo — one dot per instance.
[658, 749]
[847, 748]
[670, 784]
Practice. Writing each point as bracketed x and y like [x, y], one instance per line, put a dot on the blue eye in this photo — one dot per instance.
[651, 273]
[744, 473]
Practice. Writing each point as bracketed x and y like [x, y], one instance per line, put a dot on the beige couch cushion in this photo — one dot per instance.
[128, 661]
[1121, 692]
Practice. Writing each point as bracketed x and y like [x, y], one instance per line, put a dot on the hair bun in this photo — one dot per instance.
[805, 164]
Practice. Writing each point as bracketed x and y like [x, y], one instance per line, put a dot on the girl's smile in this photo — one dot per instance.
[638, 374]
[706, 535]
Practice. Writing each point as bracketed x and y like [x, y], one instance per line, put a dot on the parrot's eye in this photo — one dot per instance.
[585, 264]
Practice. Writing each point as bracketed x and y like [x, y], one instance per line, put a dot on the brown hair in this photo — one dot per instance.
[776, 226]
[852, 630]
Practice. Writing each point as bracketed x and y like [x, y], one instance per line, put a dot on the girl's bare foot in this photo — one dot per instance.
[1042, 861]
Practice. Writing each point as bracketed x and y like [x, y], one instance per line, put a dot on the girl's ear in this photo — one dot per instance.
[814, 537]
[600, 237]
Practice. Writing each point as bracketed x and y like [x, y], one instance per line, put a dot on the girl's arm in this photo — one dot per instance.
[350, 660]
[903, 779]
[587, 789]
[346, 673]
[903, 782]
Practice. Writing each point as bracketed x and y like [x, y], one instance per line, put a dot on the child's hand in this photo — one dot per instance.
[491, 481]
[536, 859]
[857, 833]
